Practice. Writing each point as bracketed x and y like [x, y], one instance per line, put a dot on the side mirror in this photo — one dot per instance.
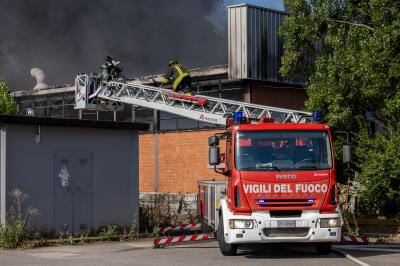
[213, 155]
[346, 153]
[213, 141]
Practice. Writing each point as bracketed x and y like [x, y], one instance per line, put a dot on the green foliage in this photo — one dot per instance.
[134, 228]
[19, 223]
[110, 232]
[380, 162]
[356, 67]
[349, 53]
[7, 104]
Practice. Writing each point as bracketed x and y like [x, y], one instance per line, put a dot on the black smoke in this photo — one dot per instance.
[66, 37]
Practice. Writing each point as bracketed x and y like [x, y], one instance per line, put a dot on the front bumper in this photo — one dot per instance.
[267, 231]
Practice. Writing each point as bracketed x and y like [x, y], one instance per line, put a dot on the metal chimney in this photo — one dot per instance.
[40, 78]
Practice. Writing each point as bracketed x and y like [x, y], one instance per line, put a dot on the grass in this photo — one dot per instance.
[109, 233]
[19, 222]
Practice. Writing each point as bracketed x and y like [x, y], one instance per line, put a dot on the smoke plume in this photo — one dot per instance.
[66, 37]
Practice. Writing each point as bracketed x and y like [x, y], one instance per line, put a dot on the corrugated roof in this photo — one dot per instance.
[219, 71]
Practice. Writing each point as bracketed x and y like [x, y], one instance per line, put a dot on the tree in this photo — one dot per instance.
[349, 53]
[7, 104]
[380, 163]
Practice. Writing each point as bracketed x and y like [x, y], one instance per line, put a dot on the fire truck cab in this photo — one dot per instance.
[280, 184]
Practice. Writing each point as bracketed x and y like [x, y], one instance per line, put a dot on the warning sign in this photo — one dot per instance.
[64, 176]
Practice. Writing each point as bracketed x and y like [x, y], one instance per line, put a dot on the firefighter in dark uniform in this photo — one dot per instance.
[110, 69]
[179, 77]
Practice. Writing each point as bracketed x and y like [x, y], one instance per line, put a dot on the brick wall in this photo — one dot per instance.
[146, 162]
[182, 160]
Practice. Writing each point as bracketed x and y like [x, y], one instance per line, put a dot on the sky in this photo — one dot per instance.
[67, 37]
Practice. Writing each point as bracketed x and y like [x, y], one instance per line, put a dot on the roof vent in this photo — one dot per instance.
[40, 78]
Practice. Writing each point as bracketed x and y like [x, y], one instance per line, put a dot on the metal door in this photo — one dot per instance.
[64, 170]
[82, 193]
[72, 192]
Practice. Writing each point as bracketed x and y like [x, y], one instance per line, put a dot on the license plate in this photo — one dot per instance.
[286, 224]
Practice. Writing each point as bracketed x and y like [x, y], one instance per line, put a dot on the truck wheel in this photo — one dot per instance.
[324, 248]
[226, 249]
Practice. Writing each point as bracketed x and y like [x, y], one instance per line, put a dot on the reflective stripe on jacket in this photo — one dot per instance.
[175, 75]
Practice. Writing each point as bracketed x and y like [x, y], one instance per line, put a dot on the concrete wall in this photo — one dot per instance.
[163, 209]
[30, 167]
[182, 160]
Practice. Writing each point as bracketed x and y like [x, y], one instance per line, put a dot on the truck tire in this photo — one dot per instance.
[324, 248]
[226, 249]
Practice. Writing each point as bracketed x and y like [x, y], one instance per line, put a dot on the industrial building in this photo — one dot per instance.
[251, 75]
[80, 174]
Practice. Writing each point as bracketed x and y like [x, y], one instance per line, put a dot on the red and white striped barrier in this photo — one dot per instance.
[180, 228]
[179, 239]
[355, 239]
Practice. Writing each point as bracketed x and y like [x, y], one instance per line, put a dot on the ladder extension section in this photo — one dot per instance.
[214, 111]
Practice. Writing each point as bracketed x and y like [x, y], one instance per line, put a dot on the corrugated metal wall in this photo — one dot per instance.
[254, 47]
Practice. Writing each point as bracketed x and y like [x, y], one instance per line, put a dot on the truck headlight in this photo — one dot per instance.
[241, 224]
[329, 222]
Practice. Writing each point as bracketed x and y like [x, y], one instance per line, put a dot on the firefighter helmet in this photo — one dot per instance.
[108, 59]
[172, 61]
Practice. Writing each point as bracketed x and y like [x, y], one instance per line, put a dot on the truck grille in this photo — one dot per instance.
[286, 232]
[286, 202]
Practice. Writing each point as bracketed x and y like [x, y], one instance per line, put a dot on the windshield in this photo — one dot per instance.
[282, 150]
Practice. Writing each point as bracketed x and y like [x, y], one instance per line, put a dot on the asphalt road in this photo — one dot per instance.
[141, 253]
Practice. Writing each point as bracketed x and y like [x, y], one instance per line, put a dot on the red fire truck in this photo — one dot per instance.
[280, 184]
[280, 177]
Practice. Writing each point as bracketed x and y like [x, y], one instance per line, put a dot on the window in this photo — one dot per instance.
[282, 150]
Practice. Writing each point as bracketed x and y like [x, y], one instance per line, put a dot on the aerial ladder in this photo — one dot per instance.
[91, 93]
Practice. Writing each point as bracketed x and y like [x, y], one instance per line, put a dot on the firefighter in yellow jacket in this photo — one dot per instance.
[179, 77]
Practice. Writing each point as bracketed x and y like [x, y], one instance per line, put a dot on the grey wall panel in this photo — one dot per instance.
[114, 169]
[3, 160]
[255, 47]
[237, 46]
